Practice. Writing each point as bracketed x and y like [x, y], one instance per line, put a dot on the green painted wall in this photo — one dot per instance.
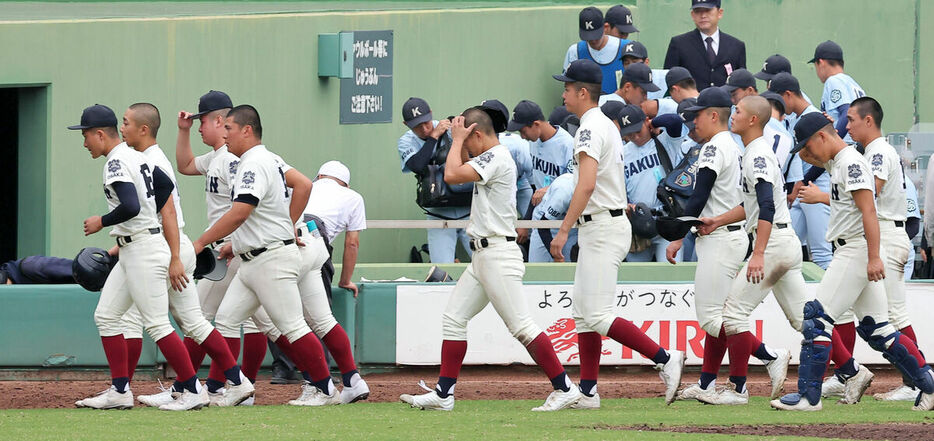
[452, 57]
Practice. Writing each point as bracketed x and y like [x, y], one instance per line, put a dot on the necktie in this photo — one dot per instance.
[711, 55]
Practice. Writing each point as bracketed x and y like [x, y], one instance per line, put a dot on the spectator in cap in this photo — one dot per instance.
[633, 86]
[839, 88]
[680, 86]
[652, 149]
[619, 22]
[774, 65]
[605, 50]
[551, 147]
[708, 53]
[519, 149]
[635, 52]
[416, 151]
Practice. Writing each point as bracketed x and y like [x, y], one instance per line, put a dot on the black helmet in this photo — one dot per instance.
[91, 268]
[675, 228]
[643, 223]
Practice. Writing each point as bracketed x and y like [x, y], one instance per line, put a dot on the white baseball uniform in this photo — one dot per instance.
[782, 267]
[719, 254]
[845, 283]
[496, 269]
[141, 274]
[892, 210]
[604, 239]
[269, 274]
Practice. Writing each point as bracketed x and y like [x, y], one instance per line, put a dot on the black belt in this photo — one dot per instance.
[123, 240]
[900, 224]
[613, 213]
[485, 243]
[841, 242]
[252, 254]
[732, 228]
[781, 226]
[218, 242]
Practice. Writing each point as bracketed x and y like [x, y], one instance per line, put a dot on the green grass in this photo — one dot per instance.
[474, 420]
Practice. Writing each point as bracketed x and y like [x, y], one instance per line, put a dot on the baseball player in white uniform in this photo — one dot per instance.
[261, 225]
[719, 253]
[598, 206]
[854, 229]
[140, 125]
[495, 272]
[135, 191]
[775, 263]
[218, 167]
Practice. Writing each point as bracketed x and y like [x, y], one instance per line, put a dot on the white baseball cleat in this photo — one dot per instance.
[725, 396]
[189, 400]
[359, 391]
[901, 393]
[559, 399]
[108, 399]
[924, 401]
[587, 402]
[778, 371]
[670, 373]
[832, 388]
[234, 394]
[856, 386]
[155, 400]
[248, 401]
[695, 390]
[428, 401]
[312, 396]
[795, 402]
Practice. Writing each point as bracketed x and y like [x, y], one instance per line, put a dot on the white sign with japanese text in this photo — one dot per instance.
[664, 311]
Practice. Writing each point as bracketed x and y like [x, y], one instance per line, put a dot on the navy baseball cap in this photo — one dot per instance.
[640, 74]
[636, 50]
[211, 101]
[711, 97]
[590, 24]
[772, 96]
[706, 4]
[584, 71]
[806, 127]
[687, 116]
[524, 114]
[677, 74]
[772, 66]
[827, 50]
[415, 111]
[611, 108]
[630, 119]
[784, 81]
[558, 115]
[97, 115]
[498, 105]
[620, 17]
[499, 116]
[739, 79]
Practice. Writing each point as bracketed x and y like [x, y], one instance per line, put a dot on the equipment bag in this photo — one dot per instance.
[678, 185]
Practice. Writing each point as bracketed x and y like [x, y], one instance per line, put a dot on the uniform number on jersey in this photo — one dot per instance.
[147, 179]
[284, 185]
[212, 183]
[775, 144]
[834, 193]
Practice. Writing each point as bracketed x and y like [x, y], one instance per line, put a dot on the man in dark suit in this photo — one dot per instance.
[709, 54]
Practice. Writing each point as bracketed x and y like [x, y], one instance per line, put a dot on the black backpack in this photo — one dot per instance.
[432, 191]
[678, 185]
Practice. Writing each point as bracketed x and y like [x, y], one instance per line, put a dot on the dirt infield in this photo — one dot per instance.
[485, 383]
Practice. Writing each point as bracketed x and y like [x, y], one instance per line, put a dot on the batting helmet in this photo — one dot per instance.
[207, 267]
[675, 228]
[643, 224]
[91, 268]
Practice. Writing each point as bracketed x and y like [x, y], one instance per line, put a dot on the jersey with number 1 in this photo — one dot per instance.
[261, 176]
[127, 165]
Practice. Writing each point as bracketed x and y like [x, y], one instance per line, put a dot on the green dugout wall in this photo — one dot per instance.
[72, 55]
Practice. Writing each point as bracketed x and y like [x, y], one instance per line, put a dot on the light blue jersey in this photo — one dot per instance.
[840, 89]
[409, 145]
[519, 149]
[554, 206]
[643, 168]
[658, 77]
[551, 158]
[666, 105]
[911, 193]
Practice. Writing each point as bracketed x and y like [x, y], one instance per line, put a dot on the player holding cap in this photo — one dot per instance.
[839, 88]
[261, 223]
[635, 83]
[604, 50]
[140, 125]
[550, 146]
[521, 155]
[495, 272]
[135, 191]
[598, 206]
[719, 253]
[854, 229]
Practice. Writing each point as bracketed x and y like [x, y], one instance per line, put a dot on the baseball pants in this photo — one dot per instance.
[314, 296]
[782, 276]
[604, 243]
[846, 285]
[719, 257]
[269, 280]
[654, 253]
[139, 278]
[538, 252]
[523, 199]
[493, 276]
[810, 223]
[183, 305]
